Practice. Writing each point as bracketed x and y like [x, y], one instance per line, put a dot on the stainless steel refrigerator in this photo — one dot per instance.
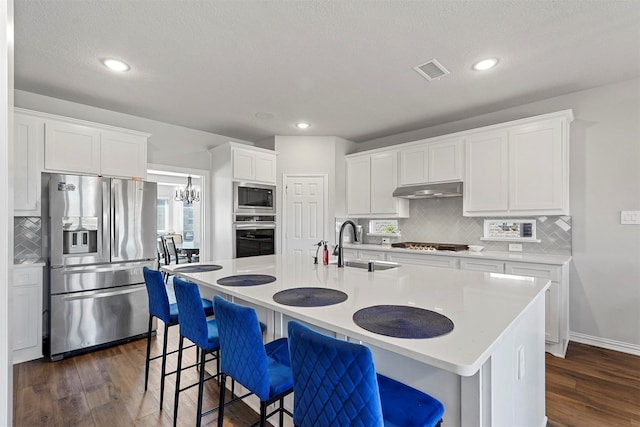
[98, 235]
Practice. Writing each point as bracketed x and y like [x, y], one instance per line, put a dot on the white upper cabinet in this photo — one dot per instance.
[371, 179]
[537, 173]
[359, 185]
[28, 135]
[414, 165]
[123, 154]
[432, 162]
[446, 161]
[519, 168]
[486, 185]
[70, 147]
[254, 165]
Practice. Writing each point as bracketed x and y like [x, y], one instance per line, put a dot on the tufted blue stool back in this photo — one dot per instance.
[159, 305]
[334, 382]
[193, 321]
[264, 369]
[242, 353]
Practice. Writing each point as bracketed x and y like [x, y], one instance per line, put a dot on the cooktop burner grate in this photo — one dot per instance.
[420, 246]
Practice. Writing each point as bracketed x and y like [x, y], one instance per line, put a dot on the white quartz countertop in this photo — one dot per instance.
[29, 262]
[501, 256]
[481, 305]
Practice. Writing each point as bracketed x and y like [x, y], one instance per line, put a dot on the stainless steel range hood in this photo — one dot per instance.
[425, 191]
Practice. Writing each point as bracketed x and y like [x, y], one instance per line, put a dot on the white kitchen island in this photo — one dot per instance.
[489, 371]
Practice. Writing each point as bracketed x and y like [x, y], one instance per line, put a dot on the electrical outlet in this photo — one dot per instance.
[630, 217]
[515, 247]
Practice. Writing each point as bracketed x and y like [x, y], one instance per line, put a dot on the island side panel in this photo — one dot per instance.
[517, 391]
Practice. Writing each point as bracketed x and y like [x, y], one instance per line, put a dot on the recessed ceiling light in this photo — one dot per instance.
[115, 65]
[485, 64]
[302, 125]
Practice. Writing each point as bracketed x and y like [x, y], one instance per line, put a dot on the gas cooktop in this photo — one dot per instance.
[419, 246]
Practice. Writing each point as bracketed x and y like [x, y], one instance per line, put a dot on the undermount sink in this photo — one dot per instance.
[378, 265]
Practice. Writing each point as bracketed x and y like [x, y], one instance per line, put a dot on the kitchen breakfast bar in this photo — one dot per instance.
[487, 371]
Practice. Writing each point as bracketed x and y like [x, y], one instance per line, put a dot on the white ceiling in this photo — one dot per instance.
[345, 66]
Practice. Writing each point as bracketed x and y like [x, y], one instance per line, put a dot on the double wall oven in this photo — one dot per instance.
[254, 219]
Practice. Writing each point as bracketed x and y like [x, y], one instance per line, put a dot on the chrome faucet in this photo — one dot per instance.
[355, 238]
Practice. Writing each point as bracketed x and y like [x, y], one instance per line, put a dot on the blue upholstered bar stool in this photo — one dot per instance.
[263, 369]
[335, 384]
[160, 308]
[202, 332]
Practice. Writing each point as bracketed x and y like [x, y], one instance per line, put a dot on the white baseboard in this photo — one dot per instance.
[623, 347]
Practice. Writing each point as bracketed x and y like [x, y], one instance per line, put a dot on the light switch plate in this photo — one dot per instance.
[515, 247]
[630, 217]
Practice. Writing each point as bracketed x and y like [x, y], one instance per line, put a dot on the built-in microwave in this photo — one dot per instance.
[254, 198]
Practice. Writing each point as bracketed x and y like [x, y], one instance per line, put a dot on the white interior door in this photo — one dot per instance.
[305, 215]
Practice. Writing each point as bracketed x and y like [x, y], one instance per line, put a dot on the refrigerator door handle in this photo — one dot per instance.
[101, 294]
[114, 220]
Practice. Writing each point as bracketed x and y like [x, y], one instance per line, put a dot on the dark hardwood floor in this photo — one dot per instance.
[591, 387]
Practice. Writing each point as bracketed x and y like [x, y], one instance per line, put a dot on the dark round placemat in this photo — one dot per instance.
[309, 297]
[401, 321]
[198, 268]
[246, 280]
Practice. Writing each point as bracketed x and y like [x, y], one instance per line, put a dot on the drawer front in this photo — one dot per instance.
[26, 276]
[431, 261]
[482, 265]
[371, 255]
[543, 271]
[350, 253]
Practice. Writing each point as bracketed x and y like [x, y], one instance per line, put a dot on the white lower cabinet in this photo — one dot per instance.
[488, 265]
[26, 313]
[557, 320]
[371, 255]
[428, 260]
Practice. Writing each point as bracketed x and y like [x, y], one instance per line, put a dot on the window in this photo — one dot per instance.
[163, 215]
[187, 222]
[518, 230]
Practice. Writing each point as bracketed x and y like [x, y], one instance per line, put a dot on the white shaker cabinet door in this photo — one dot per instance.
[486, 173]
[123, 155]
[70, 147]
[445, 161]
[27, 139]
[384, 179]
[537, 175]
[26, 313]
[243, 165]
[265, 168]
[359, 185]
[414, 163]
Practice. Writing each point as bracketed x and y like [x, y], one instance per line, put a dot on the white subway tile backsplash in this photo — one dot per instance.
[27, 238]
[440, 220]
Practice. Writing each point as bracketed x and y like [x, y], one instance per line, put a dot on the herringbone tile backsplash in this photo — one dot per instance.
[27, 237]
[440, 220]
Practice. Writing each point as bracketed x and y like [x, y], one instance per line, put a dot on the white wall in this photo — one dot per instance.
[605, 179]
[168, 145]
[6, 209]
[315, 155]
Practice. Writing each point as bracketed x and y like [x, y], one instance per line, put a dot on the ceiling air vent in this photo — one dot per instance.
[431, 69]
